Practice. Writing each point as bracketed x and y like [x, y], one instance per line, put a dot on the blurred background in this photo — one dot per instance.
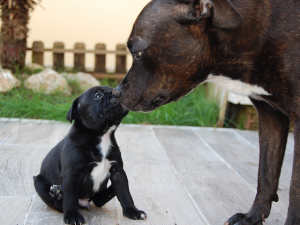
[90, 22]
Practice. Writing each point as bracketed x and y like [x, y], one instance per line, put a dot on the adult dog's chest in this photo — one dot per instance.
[101, 171]
[238, 87]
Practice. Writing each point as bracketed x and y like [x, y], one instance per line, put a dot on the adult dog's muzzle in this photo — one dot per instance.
[117, 92]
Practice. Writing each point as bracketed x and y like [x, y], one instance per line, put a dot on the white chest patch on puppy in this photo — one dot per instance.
[237, 86]
[105, 143]
[101, 171]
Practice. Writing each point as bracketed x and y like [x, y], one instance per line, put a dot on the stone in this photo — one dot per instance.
[84, 80]
[48, 82]
[8, 81]
[34, 66]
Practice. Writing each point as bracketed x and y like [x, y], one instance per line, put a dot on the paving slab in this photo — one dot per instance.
[177, 175]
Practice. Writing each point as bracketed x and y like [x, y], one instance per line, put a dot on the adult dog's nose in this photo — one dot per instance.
[116, 92]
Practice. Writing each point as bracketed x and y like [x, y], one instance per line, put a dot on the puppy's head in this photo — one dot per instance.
[97, 108]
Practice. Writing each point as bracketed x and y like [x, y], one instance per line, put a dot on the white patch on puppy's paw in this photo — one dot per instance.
[143, 216]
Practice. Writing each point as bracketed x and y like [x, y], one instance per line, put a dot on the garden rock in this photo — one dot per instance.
[7, 81]
[84, 80]
[34, 66]
[48, 82]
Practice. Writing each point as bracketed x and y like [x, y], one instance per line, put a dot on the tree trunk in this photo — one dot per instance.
[14, 31]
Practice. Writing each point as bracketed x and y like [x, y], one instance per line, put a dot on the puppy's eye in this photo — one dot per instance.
[137, 55]
[98, 95]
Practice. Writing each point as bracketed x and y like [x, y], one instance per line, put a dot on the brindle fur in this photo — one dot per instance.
[254, 41]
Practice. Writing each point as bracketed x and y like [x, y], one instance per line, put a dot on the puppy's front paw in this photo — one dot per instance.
[56, 192]
[134, 214]
[73, 218]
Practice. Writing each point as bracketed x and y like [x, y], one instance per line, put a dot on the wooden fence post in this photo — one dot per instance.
[121, 59]
[100, 59]
[38, 52]
[79, 58]
[58, 58]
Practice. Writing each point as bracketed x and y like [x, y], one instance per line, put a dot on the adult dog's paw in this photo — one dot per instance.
[56, 192]
[245, 219]
[134, 214]
[73, 218]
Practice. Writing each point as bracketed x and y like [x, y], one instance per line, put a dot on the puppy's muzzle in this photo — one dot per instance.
[111, 106]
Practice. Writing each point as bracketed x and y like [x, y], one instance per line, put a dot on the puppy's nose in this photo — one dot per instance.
[116, 92]
[113, 100]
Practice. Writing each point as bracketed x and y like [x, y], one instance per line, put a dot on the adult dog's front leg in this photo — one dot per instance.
[294, 207]
[70, 200]
[120, 186]
[273, 131]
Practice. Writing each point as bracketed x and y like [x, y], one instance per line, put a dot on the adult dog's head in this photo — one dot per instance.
[171, 45]
[97, 108]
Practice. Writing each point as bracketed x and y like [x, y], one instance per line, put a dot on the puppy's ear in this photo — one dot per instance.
[222, 12]
[73, 111]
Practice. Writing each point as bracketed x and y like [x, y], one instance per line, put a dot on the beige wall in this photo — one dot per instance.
[88, 21]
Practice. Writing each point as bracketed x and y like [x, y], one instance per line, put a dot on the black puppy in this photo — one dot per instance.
[79, 167]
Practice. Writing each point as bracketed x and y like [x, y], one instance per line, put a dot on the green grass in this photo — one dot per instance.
[192, 110]
[22, 103]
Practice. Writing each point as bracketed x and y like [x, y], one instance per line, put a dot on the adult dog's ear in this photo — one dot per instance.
[73, 111]
[188, 11]
[222, 13]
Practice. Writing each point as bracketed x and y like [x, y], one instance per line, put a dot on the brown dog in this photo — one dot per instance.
[251, 47]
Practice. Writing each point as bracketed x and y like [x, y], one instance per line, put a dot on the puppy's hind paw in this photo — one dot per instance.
[56, 192]
[135, 214]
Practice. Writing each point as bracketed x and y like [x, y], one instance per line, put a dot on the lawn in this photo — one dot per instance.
[192, 110]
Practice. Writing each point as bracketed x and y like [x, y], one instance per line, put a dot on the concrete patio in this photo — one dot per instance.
[177, 175]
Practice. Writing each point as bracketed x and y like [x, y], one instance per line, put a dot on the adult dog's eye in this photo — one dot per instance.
[98, 95]
[137, 55]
